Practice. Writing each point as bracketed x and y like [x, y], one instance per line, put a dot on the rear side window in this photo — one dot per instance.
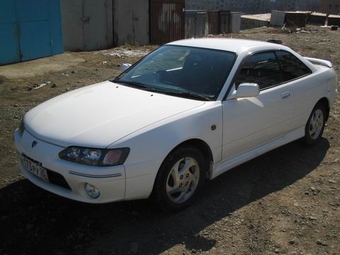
[269, 69]
[291, 67]
[262, 68]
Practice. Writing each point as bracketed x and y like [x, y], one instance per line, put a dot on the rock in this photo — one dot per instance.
[275, 41]
[321, 243]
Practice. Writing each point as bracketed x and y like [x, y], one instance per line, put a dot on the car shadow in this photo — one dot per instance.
[34, 221]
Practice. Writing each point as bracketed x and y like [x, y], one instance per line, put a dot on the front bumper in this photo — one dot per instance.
[68, 179]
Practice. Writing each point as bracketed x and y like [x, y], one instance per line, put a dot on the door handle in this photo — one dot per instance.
[285, 95]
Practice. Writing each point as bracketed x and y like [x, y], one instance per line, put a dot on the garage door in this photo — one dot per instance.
[30, 29]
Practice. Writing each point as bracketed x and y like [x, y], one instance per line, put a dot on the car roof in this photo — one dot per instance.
[229, 44]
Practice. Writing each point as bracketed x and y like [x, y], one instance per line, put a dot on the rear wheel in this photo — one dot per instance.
[179, 179]
[315, 125]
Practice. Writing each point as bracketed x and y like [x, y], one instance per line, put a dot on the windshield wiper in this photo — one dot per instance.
[131, 83]
[185, 94]
[190, 95]
[196, 96]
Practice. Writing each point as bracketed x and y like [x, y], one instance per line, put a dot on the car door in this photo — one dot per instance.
[306, 89]
[249, 123]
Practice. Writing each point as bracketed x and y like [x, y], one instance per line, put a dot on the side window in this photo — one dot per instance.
[292, 68]
[261, 68]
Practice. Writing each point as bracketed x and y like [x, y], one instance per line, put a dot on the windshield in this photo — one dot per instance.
[181, 71]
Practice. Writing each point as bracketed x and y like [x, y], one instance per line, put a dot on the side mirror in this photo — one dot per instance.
[247, 90]
[124, 66]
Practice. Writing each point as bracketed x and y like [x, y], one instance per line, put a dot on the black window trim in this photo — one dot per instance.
[274, 51]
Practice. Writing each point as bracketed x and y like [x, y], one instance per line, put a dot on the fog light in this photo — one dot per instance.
[91, 190]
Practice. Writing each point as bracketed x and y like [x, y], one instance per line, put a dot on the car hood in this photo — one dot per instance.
[101, 114]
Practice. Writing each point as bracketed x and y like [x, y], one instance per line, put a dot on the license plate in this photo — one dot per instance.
[34, 167]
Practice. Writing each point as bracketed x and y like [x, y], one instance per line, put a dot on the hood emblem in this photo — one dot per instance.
[34, 144]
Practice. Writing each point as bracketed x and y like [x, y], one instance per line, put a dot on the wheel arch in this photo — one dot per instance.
[199, 144]
[202, 146]
[325, 102]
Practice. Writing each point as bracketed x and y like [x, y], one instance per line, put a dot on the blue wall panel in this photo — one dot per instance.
[7, 11]
[9, 41]
[9, 44]
[56, 27]
[29, 29]
[32, 10]
[35, 40]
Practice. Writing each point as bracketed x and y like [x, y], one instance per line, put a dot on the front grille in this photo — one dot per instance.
[57, 179]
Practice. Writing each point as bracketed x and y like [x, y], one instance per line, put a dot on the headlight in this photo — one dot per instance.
[95, 157]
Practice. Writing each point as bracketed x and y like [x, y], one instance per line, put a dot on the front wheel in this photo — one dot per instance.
[315, 125]
[179, 179]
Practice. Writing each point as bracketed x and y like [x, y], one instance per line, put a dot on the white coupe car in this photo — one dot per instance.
[188, 111]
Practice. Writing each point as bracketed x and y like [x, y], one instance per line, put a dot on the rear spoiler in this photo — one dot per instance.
[317, 61]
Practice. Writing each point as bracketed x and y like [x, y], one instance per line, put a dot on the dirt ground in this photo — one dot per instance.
[284, 202]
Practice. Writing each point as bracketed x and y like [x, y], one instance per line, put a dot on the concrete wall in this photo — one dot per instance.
[278, 18]
[235, 24]
[131, 22]
[248, 23]
[87, 24]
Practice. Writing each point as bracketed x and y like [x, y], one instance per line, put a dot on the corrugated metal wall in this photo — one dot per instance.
[213, 22]
[196, 24]
[87, 24]
[225, 21]
[201, 23]
[29, 29]
[131, 22]
[167, 21]
[295, 19]
[218, 22]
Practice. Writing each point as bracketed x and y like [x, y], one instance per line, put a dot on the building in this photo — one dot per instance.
[330, 6]
[255, 6]
[230, 5]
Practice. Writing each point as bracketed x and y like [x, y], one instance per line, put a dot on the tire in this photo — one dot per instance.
[315, 125]
[179, 179]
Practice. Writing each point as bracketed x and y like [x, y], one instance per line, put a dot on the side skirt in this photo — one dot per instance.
[222, 167]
